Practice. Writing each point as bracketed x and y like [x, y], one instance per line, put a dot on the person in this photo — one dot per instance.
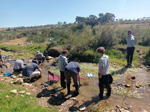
[1, 59]
[40, 57]
[130, 47]
[29, 70]
[72, 70]
[62, 62]
[103, 73]
[19, 65]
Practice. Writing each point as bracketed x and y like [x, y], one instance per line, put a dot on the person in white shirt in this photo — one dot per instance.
[62, 62]
[130, 47]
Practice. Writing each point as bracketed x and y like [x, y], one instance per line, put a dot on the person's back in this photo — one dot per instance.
[62, 62]
[18, 64]
[104, 61]
[73, 67]
[29, 69]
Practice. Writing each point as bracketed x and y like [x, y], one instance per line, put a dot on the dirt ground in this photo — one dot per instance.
[21, 41]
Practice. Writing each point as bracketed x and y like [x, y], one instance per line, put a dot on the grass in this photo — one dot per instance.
[17, 103]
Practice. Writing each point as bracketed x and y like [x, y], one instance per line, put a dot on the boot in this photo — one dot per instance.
[108, 92]
[101, 93]
[77, 91]
[68, 88]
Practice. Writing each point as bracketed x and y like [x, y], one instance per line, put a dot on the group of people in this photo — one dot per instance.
[31, 69]
[72, 69]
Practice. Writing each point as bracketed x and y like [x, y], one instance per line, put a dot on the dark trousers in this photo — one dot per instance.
[130, 51]
[62, 81]
[74, 76]
[18, 70]
[104, 82]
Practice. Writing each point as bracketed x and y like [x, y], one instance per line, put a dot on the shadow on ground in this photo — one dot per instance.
[120, 71]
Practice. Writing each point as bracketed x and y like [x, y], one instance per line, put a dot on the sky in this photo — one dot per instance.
[16, 13]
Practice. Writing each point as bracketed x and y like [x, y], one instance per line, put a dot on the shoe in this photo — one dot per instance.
[107, 96]
[75, 94]
[101, 98]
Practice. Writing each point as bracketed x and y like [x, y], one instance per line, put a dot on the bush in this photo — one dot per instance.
[87, 56]
[147, 58]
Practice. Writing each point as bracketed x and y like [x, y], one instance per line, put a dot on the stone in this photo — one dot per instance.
[49, 57]
[22, 95]
[18, 81]
[144, 111]
[27, 93]
[6, 96]
[20, 75]
[14, 91]
[82, 107]
[13, 76]
[127, 86]
[21, 92]
[133, 77]
[26, 84]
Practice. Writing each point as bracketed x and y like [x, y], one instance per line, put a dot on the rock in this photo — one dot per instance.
[14, 91]
[6, 96]
[13, 76]
[18, 81]
[20, 75]
[82, 107]
[127, 86]
[123, 110]
[21, 92]
[133, 77]
[137, 86]
[26, 84]
[141, 66]
[27, 93]
[147, 66]
[144, 111]
[49, 57]
[22, 95]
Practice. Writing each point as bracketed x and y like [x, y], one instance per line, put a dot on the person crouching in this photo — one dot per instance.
[30, 70]
[19, 65]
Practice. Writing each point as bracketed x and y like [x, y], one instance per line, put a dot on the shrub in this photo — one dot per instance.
[87, 56]
[147, 58]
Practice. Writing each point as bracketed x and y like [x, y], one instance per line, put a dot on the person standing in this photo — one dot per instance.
[103, 73]
[62, 62]
[130, 47]
[72, 70]
[19, 65]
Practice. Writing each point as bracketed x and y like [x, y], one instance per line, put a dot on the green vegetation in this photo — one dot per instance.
[18, 103]
[147, 58]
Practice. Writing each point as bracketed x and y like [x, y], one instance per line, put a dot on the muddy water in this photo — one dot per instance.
[89, 93]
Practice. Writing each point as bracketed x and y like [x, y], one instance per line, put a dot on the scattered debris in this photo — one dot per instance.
[14, 91]
[21, 92]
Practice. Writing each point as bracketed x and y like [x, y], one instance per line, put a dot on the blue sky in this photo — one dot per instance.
[14, 13]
